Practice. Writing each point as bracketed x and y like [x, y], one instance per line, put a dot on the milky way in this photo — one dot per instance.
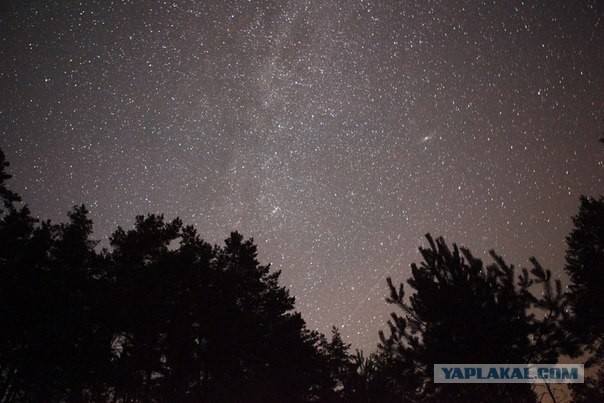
[335, 133]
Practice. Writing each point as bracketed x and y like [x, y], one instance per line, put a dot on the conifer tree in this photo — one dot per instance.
[463, 312]
[585, 268]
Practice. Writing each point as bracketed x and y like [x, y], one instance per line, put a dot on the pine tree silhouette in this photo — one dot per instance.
[462, 312]
[585, 268]
[161, 316]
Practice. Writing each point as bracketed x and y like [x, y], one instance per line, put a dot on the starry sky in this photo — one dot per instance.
[335, 133]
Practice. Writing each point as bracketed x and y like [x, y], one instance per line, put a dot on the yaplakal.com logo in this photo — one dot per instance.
[509, 373]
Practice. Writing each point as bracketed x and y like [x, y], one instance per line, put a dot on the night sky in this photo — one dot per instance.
[335, 133]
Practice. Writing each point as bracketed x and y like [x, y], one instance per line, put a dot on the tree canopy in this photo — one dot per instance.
[162, 315]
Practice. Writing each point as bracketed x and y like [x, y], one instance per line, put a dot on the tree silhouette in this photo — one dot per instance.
[339, 361]
[23, 250]
[139, 275]
[203, 323]
[463, 312]
[161, 316]
[585, 268]
[52, 342]
[263, 351]
[9, 198]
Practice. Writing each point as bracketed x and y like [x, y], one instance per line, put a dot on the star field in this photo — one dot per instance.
[335, 133]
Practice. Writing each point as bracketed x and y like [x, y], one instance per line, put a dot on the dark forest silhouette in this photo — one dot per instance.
[164, 316]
